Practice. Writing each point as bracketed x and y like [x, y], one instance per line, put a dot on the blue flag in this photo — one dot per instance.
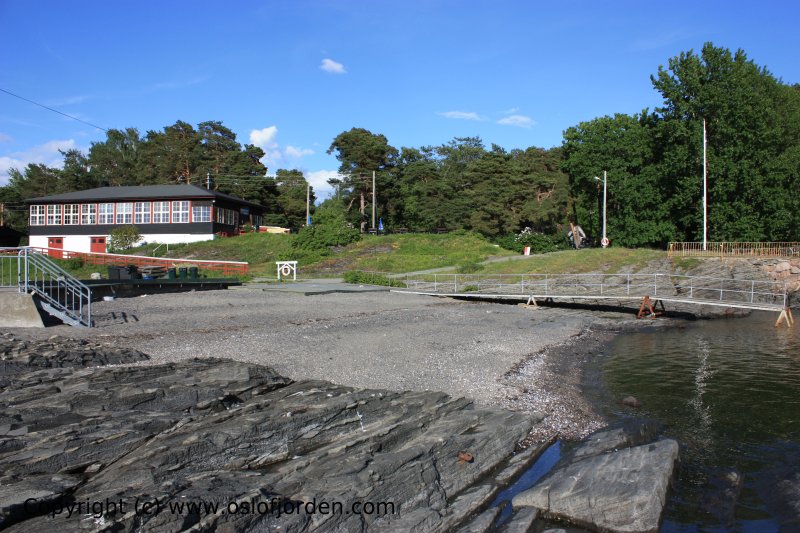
[380, 224]
[308, 222]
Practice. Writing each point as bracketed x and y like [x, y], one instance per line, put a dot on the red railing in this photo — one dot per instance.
[226, 268]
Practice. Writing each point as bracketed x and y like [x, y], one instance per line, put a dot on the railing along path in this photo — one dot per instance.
[745, 294]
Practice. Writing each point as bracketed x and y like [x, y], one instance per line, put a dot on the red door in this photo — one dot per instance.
[98, 245]
[56, 244]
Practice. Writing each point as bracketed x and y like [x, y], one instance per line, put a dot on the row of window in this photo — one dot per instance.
[164, 212]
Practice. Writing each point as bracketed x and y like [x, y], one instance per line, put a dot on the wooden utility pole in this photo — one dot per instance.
[373, 200]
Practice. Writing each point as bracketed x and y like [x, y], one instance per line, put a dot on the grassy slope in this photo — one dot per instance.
[410, 252]
[402, 253]
[610, 260]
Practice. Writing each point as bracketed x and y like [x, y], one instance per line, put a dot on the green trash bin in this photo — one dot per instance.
[171, 273]
[193, 273]
[182, 273]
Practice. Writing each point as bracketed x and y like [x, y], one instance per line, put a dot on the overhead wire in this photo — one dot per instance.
[54, 110]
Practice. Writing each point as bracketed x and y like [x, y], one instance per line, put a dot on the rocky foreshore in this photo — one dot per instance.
[94, 434]
[212, 444]
[224, 445]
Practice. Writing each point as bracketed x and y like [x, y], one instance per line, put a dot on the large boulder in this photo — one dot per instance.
[618, 490]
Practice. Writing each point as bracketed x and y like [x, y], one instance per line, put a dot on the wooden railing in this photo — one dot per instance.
[226, 268]
[734, 249]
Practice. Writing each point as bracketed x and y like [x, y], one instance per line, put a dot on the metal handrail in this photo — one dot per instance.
[695, 288]
[37, 274]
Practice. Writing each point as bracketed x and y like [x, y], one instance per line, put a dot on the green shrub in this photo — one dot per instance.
[123, 238]
[540, 243]
[329, 230]
[359, 277]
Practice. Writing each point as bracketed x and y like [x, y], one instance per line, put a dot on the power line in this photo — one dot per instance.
[53, 110]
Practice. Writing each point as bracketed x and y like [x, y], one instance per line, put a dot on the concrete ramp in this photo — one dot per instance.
[18, 310]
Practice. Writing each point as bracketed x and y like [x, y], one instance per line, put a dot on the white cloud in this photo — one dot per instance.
[297, 153]
[461, 115]
[520, 121]
[319, 180]
[46, 154]
[333, 67]
[509, 111]
[275, 156]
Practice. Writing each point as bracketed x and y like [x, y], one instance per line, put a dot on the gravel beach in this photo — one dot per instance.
[497, 354]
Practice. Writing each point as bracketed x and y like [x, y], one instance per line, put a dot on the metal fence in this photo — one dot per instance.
[694, 289]
[734, 249]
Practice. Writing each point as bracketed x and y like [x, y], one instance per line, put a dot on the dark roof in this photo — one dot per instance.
[139, 192]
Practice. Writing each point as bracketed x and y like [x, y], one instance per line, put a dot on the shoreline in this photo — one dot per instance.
[533, 361]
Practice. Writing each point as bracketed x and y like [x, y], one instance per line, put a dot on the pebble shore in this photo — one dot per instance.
[502, 355]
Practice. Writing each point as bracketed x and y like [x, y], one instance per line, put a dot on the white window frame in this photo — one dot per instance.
[54, 215]
[180, 211]
[161, 212]
[89, 214]
[201, 213]
[72, 214]
[37, 215]
[105, 213]
[124, 213]
[141, 213]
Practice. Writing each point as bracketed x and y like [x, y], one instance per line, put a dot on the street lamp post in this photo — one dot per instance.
[605, 241]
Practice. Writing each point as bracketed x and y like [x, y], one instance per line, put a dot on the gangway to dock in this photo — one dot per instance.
[649, 289]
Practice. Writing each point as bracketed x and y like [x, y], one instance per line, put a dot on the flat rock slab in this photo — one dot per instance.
[620, 491]
[229, 446]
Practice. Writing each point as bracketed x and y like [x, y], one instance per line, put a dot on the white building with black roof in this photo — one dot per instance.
[82, 221]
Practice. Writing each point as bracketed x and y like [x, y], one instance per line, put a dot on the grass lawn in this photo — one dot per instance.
[609, 260]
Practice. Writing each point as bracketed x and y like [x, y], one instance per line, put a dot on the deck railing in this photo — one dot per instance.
[734, 249]
[226, 268]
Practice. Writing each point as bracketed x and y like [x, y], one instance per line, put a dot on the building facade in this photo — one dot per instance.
[82, 221]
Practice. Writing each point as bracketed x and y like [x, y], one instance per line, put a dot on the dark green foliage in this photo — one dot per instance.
[654, 160]
[358, 277]
[329, 229]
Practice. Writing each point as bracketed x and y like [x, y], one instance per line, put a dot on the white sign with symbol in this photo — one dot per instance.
[287, 268]
[605, 242]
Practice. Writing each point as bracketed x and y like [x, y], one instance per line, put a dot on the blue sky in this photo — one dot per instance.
[291, 75]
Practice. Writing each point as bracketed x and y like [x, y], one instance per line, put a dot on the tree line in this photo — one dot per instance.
[207, 156]
[653, 159]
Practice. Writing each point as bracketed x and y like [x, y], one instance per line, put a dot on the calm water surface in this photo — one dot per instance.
[729, 392]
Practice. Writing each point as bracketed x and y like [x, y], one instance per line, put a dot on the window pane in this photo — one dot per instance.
[54, 215]
[201, 213]
[105, 214]
[124, 213]
[142, 214]
[180, 211]
[89, 214]
[160, 212]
